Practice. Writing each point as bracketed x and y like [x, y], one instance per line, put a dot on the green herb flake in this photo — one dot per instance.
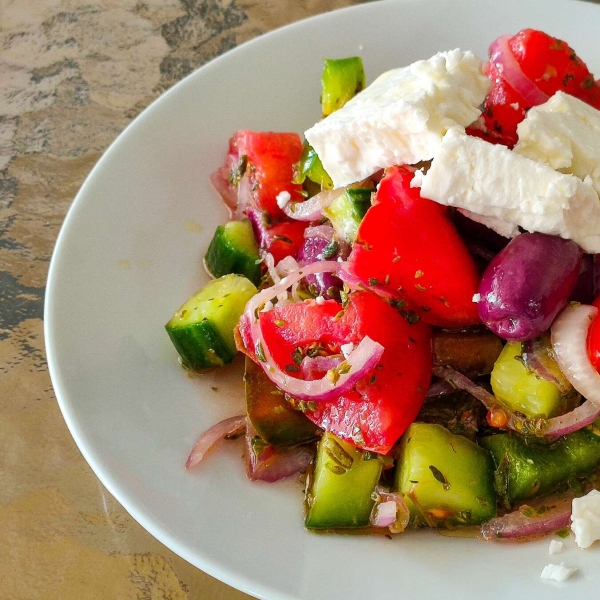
[280, 323]
[283, 238]
[373, 281]
[563, 533]
[291, 368]
[330, 250]
[419, 274]
[297, 355]
[439, 476]
[260, 353]
[238, 172]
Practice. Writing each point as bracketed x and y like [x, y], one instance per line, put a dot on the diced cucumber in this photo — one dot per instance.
[271, 415]
[310, 167]
[233, 249]
[343, 482]
[342, 79]
[202, 329]
[446, 479]
[526, 470]
[347, 211]
[519, 388]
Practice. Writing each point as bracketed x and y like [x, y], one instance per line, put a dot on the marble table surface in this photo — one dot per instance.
[73, 74]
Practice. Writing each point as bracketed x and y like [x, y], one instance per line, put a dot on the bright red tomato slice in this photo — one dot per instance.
[270, 157]
[552, 65]
[593, 340]
[282, 239]
[375, 413]
[408, 247]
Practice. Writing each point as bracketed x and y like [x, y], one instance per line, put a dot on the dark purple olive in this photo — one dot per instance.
[584, 290]
[527, 284]
[321, 246]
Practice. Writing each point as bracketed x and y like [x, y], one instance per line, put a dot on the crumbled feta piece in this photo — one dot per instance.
[346, 349]
[557, 572]
[283, 198]
[515, 106]
[476, 297]
[556, 547]
[564, 133]
[401, 117]
[585, 519]
[320, 300]
[493, 181]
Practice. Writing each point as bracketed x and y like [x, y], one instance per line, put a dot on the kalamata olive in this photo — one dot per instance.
[527, 284]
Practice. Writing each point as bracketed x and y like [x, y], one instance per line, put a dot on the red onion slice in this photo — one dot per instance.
[312, 368]
[390, 511]
[265, 462]
[324, 232]
[502, 56]
[569, 340]
[580, 417]
[311, 209]
[528, 522]
[228, 192]
[226, 429]
[358, 363]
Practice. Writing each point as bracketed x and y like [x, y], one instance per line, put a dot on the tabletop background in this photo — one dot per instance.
[73, 74]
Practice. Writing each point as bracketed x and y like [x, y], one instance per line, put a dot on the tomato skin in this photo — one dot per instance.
[593, 339]
[271, 157]
[552, 65]
[408, 247]
[285, 238]
[375, 413]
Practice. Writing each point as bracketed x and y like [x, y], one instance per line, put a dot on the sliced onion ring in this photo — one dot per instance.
[521, 526]
[226, 429]
[502, 56]
[569, 340]
[580, 417]
[311, 209]
[358, 363]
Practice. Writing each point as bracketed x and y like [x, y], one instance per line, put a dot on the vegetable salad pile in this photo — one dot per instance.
[419, 368]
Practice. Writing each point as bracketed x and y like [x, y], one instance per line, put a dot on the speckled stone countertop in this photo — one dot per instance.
[73, 74]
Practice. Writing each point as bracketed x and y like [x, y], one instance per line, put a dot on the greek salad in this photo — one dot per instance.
[415, 288]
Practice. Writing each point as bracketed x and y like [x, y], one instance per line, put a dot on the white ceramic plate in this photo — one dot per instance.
[129, 254]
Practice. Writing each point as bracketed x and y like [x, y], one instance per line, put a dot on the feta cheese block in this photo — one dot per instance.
[401, 117]
[564, 133]
[585, 519]
[493, 181]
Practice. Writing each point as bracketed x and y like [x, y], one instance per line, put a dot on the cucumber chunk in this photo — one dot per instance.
[526, 470]
[202, 329]
[343, 482]
[520, 389]
[233, 249]
[342, 79]
[446, 479]
[347, 211]
[275, 421]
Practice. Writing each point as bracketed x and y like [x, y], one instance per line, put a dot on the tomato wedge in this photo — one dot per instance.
[552, 65]
[375, 413]
[593, 340]
[407, 247]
